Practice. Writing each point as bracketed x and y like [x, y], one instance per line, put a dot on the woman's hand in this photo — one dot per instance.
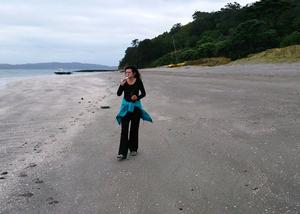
[134, 98]
[123, 81]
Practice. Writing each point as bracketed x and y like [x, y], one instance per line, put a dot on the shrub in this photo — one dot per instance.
[206, 50]
[292, 39]
[188, 54]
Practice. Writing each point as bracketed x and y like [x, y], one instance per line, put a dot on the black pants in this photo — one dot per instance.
[130, 143]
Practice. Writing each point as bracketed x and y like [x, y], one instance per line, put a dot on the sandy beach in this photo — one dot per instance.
[224, 140]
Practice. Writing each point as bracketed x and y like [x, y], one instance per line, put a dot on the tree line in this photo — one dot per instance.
[232, 32]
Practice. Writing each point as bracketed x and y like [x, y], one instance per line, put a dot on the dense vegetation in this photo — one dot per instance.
[233, 32]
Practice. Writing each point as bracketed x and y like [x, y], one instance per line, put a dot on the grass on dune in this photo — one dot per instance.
[275, 55]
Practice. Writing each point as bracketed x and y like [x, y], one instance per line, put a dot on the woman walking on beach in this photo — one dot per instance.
[131, 111]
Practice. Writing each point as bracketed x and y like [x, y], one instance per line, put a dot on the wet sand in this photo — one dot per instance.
[224, 140]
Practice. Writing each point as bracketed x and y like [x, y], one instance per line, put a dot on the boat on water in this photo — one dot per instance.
[62, 71]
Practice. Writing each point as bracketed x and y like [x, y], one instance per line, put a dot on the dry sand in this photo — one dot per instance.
[224, 140]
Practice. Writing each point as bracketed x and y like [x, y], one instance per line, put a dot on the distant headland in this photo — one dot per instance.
[57, 65]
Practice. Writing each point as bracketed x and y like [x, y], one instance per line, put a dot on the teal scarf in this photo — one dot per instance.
[129, 107]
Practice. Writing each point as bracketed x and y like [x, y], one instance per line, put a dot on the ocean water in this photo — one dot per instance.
[8, 75]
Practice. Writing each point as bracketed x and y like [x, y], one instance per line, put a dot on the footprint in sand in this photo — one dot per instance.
[179, 205]
[27, 194]
[23, 144]
[31, 165]
[2, 177]
[37, 146]
[3, 173]
[52, 137]
[51, 201]
[38, 181]
[22, 175]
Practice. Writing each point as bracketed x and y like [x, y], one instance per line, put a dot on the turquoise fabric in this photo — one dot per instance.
[129, 107]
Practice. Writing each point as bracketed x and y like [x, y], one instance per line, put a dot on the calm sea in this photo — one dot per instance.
[8, 75]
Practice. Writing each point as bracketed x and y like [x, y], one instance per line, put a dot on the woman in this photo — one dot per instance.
[131, 111]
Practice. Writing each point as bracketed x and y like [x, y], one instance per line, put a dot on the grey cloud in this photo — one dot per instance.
[88, 31]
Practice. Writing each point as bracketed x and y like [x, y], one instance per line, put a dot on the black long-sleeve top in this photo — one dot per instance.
[130, 90]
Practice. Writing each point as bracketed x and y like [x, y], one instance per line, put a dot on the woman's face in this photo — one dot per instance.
[129, 73]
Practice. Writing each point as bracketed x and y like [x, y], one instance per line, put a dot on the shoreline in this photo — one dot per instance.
[25, 74]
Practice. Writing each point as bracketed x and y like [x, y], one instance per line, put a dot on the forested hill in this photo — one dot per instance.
[233, 32]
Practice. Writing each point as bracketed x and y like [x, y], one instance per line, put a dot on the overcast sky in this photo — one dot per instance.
[89, 31]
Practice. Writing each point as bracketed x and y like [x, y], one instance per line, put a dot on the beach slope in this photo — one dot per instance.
[224, 140]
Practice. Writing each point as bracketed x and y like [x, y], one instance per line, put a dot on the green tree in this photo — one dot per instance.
[291, 39]
[233, 31]
[250, 37]
[206, 50]
[175, 28]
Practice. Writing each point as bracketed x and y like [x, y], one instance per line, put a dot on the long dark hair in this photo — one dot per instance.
[135, 71]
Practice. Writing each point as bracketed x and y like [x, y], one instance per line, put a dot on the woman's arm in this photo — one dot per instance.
[120, 90]
[142, 89]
